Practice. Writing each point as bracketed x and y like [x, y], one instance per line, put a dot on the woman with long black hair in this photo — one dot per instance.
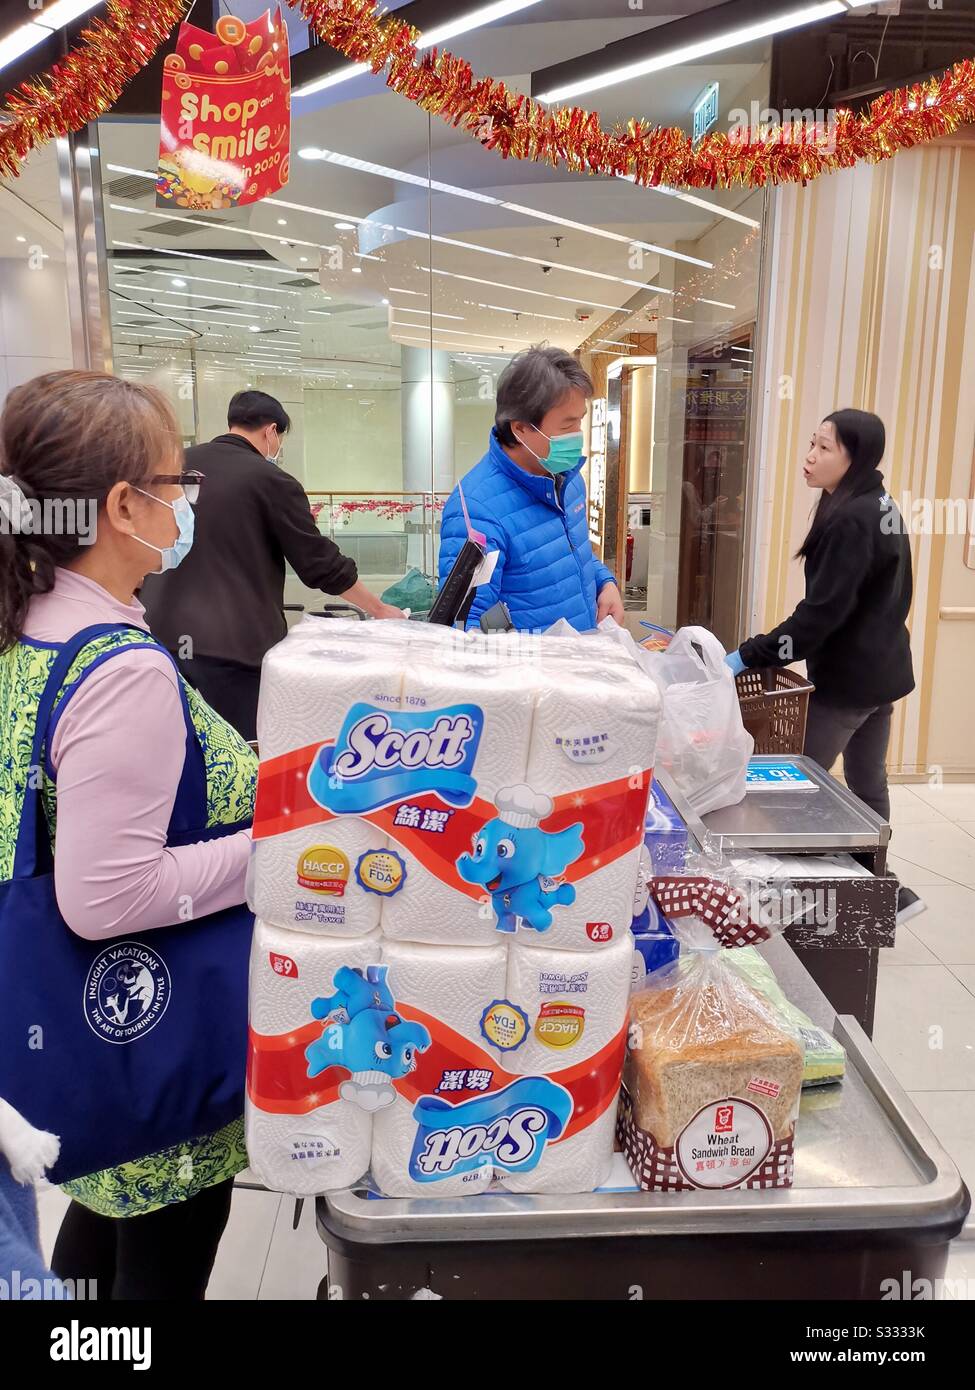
[851, 627]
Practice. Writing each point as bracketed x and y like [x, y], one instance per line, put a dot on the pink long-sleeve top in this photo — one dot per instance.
[118, 754]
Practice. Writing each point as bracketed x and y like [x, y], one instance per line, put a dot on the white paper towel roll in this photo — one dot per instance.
[454, 983]
[578, 1164]
[306, 879]
[429, 909]
[289, 969]
[575, 1002]
[394, 1131]
[618, 713]
[563, 992]
[307, 1154]
[309, 684]
[327, 1148]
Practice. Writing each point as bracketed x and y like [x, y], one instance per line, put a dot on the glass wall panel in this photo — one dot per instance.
[295, 296]
[382, 293]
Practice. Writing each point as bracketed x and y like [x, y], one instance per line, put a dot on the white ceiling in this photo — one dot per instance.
[341, 330]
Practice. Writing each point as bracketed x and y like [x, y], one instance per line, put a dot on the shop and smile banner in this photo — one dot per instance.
[225, 127]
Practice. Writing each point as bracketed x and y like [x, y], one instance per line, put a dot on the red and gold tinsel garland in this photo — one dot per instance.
[568, 136]
[91, 78]
[88, 82]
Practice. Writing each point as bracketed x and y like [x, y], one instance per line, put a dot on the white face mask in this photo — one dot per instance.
[276, 458]
[185, 523]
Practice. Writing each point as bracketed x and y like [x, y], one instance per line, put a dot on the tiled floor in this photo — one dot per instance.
[925, 1022]
[925, 1031]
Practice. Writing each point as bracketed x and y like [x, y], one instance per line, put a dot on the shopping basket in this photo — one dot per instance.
[774, 703]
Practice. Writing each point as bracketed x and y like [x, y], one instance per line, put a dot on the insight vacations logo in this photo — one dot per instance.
[381, 756]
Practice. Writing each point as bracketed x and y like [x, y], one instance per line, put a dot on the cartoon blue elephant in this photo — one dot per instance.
[366, 1035]
[518, 863]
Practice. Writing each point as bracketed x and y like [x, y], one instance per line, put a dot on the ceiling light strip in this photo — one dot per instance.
[440, 33]
[720, 42]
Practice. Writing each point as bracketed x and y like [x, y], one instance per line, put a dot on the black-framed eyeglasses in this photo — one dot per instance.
[189, 482]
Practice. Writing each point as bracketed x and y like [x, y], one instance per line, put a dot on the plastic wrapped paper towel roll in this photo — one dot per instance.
[575, 1002]
[309, 682]
[322, 1151]
[430, 909]
[306, 878]
[394, 1133]
[578, 1164]
[329, 1147]
[597, 728]
[455, 984]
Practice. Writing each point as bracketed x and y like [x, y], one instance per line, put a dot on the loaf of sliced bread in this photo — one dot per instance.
[704, 1040]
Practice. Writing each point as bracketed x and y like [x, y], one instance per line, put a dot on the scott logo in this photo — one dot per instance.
[513, 1138]
[373, 742]
[508, 1128]
[381, 756]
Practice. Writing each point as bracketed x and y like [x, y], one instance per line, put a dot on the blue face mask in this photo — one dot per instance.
[185, 522]
[564, 451]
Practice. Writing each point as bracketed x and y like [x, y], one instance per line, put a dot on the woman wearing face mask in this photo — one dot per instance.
[150, 793]
[851, 627]
[528, 498]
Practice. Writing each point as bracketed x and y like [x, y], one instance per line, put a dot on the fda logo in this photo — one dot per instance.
[724, 1118]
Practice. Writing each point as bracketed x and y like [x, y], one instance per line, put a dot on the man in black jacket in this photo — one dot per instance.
[221, 610]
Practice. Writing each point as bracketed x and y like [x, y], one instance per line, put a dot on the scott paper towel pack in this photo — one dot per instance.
[447, 829]
[444, 1069]
[449, 790]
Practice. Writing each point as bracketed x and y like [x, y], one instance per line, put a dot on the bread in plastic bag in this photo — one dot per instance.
[713, 1074]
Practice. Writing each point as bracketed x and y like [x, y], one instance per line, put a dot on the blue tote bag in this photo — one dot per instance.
[129, 1045]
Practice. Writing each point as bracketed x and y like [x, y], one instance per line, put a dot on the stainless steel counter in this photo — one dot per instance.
[865, 1160]
[827, 820]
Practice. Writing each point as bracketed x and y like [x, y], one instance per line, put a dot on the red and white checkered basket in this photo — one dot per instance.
[722, 908]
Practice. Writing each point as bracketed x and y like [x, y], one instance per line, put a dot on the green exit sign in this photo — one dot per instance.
[705, 111]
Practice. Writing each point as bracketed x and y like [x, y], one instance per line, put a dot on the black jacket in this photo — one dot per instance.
[227, 594]
[850, 629]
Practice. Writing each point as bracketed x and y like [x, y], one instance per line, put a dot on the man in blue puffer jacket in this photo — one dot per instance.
[527, 496]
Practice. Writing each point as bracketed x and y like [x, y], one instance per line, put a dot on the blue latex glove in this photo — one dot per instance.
[733, 659]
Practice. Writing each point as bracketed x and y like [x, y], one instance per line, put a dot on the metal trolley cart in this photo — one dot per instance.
[875, 1195]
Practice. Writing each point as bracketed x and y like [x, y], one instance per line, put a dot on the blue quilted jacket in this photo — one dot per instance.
[546, 567]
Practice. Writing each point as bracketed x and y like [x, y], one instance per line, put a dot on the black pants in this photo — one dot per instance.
[167, 1254]
[862, 736]
[228, 687]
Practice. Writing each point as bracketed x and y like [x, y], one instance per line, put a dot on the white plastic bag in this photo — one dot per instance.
[702, 742]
